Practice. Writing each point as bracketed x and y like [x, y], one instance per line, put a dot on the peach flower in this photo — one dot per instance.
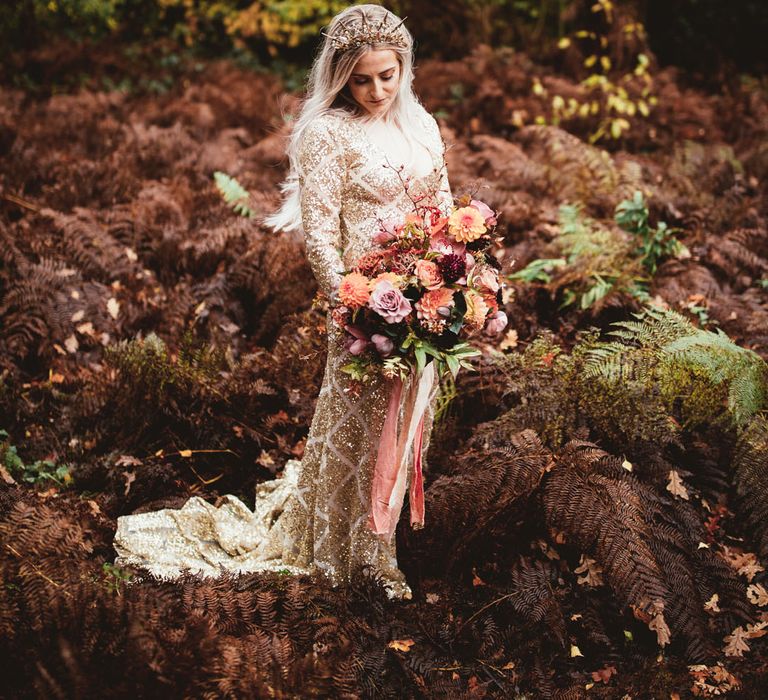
[429, 274]
[396, 280]
[434, 302]
[485, 278]
[477, 309]
[354, 290]
[466, 224]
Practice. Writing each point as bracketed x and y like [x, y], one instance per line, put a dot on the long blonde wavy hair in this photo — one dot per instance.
[327, 93]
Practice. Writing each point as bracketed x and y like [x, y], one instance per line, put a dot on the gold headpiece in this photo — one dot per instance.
[347, 37]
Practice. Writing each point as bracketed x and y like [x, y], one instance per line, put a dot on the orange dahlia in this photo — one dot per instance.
[466, 224]
[354, 289]
[427, 307]
[396, 280]
[477, 309]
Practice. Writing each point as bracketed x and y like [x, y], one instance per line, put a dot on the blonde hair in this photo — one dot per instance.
[327, 93]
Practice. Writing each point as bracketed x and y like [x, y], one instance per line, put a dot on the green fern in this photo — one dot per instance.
[701, 370]
[234, 194]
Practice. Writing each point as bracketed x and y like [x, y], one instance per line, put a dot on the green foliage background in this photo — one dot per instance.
[695, 33]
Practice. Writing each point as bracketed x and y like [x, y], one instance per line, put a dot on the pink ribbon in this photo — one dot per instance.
[390, 473]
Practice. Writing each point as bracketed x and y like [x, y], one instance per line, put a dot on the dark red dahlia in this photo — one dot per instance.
[452, 267]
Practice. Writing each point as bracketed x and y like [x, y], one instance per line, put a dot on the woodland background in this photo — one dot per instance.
[597, 523]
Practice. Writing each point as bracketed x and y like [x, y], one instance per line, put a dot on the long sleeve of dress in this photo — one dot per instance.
[322, 172]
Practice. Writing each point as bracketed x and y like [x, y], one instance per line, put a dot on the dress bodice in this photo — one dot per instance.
[348, 187]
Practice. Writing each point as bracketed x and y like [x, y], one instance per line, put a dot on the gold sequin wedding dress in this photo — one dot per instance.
[315, 516]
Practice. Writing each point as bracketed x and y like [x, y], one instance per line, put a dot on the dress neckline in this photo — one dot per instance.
[375, 147]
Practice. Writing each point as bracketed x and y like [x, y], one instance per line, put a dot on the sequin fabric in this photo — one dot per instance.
[314, 517]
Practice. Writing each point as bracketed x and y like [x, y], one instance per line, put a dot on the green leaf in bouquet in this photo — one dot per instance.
[421, 358]
[357, 369]
[457, 324]
[453, 364]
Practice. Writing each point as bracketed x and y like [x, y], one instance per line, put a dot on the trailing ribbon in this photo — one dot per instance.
[391, 471]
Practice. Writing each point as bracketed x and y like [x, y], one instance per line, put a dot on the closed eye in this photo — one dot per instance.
[363, 81]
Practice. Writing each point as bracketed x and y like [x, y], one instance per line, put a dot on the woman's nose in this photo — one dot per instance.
[377, 90]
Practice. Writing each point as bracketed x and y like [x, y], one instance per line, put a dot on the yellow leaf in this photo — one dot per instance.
[590, 61]
[627, 465]
[564, 43]
[575, 651]
[401, 644]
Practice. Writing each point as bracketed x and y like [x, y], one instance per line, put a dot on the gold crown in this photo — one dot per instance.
[347, 37]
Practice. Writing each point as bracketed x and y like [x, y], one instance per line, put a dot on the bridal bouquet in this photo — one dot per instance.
[430, 285]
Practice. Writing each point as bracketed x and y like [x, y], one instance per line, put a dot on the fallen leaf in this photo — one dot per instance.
[432, 597]
[603, 675]
[703, 545]
[757, 630]
[94, 507]
[78, 316]
[55, 377]
[476, 580]
[734, 642]
[130, 253]
[401, 644]
[575, 651]
[113, 307]
[85, 328]
[130, 477]
[71, 344]
[712, 603]
[627, 465]
[712, 680]
[185, 453]
[659, 625]
[6, 476]
[592, 572]
[675, 485]
[757, 594]
[510, 340]
[265, 459]
[127, 461]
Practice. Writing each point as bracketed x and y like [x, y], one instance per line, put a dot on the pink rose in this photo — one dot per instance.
[429, 274]
[389, 302]
[485, 211]
[485, 279]
[384, 345]
[496, 323]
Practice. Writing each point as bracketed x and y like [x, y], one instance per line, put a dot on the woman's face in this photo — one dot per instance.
[374, 81]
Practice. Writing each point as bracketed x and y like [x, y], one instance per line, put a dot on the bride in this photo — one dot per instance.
[362, 149]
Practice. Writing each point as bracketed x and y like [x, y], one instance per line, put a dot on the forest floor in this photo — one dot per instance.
[111, 227]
